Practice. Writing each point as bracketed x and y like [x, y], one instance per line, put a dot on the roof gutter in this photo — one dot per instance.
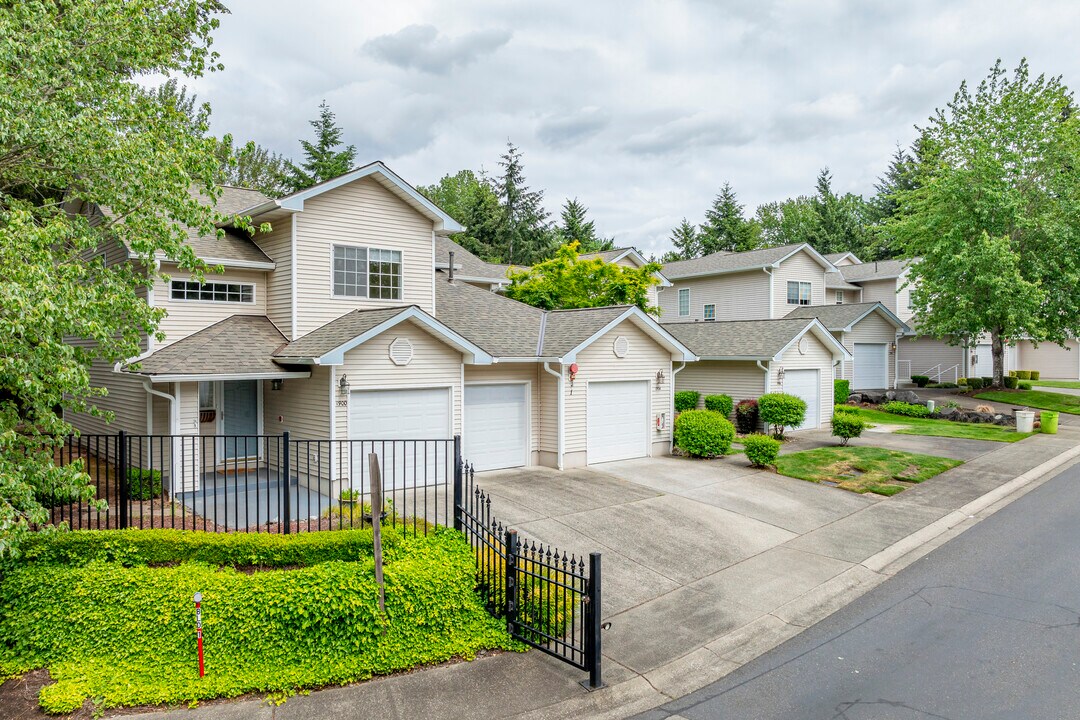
[561, 405]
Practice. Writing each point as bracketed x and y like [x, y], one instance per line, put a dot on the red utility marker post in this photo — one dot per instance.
[198, 628]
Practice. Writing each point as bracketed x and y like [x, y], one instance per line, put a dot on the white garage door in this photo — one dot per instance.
[618, 420]
[401, 415]
[871, 366]
[807, 385]
[496, 426]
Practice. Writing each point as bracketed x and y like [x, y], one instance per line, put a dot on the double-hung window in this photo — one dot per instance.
[709, 312]
[798, 293]
[212, 291]
[367, 273]
[684, 302]
[839, 297]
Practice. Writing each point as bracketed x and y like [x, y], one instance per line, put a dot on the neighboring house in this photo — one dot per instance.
[336, 325]
[745, 359]
[869, 332]
[1051, 360]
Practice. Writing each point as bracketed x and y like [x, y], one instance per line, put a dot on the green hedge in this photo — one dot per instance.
[1011, 382]
[143, 484]
[921, 380]
[124, 635]
[722, 404]
[761, 450]
[781, 411]
[847, 425]
[1035, 374]
[846, 409]
[909, 409]
[1023, 374]
[703, 433]
[841, 391]
[974, 383]
[686, 400]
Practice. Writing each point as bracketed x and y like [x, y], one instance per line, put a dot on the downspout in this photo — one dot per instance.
[559, 414]
[674, 372]
[174, 422]
[772, 304]
[766, 369]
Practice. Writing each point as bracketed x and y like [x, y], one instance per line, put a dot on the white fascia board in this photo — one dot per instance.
[821, 333]
[829, 267]
[734, 358]
[337, 355]
[227, 262]
[283, 375]
[652, 328]
[728, 271]
[885, 312]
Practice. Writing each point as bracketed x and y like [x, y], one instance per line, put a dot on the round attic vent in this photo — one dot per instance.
[401, 352]
[621, 346]
[804, 345]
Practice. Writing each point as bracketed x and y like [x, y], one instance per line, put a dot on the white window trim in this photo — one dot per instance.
[839, 296]
[679, 298]
[253, 286]
[368, 298]
[705, 314]
[800, 283]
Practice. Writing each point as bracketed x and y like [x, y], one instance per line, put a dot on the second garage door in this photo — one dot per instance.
[618, 420]
[807, 385]
[496, 426]
[871, 366]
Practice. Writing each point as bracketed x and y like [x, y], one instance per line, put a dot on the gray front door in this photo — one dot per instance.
[240, 416]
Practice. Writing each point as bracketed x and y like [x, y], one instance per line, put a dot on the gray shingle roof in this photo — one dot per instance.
[240, 344]
[605, 255]
[838, 317]
[337, 332]
[874, 270]
[750, 339]
[501, 326]
[724, 262]
[566, 329]
[236, 245]
[835, 281]
[465, 263]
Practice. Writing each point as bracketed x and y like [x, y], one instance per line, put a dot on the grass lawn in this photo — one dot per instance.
[863, 469]
[942, 428]
[1070, 384]
[1036, 399]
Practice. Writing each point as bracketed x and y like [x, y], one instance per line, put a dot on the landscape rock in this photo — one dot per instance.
[907, 396]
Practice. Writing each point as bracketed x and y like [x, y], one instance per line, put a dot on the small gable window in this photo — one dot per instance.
[212, 291]
[684, 302]
[367, 273]
[709, 312]
[798, 293]
[839, 297]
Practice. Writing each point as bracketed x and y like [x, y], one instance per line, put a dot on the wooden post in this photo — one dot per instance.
[376, 524]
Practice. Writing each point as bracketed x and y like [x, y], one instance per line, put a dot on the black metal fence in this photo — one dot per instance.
[274, 483]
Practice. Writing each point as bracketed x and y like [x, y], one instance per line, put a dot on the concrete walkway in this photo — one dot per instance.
[707, 564]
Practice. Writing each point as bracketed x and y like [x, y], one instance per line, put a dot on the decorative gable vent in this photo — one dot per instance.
[621, 346]
[401, 352]
[804, 345]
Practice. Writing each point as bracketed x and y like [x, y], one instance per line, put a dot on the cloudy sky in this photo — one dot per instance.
[639, 109]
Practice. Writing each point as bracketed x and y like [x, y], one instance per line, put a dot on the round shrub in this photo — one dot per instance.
[761, 450]
[722, 404]
[686, 400]
[1023, 374]
[841, 391]
[781, 411]
[846, 426]
[975, 383]
[1011, 382]
[1035, 374]
[746, 415]
[703, 433]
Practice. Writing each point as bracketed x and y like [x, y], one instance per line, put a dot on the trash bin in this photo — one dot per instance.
[1025, 421]
[1049, 421]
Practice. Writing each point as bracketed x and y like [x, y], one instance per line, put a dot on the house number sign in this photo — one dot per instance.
[343, 402]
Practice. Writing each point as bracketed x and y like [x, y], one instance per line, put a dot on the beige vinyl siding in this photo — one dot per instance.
[800, 267]
[850, 296]
[883, 291]
[737, 296]
[126, 398]
[903, 298]
[518, 373]
[871, 329]
[277, 244]
[549, 415]
[598, 363]
[1050, 359]
[844, 261]
[739, 379]
[926, 352]
[817, 357]
[187, 317]
[360, 214]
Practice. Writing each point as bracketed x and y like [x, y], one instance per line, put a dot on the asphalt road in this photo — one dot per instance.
[987, 626]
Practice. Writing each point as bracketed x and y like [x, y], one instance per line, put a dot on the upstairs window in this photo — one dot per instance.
[709, 312]
[798, 293]
[212, 291]
[684, 302]
[839, 297]
[367, 273]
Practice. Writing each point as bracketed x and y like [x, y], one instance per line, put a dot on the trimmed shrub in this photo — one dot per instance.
[846, 426]
[143, 484]
[987, 381]
[846, 409]
[686, 400]
[1023, 374]
[902, 408]
[1035, 374]
[1024, 386]
[1011, 382]
[722, 404]
[975, 383]
[921, 380]
[943, 386]
[703, 433]
[761, 450]
[961, 381]
[746, 415]
[781, 411]
[841, 391]
[1012, 373]
[123, 635]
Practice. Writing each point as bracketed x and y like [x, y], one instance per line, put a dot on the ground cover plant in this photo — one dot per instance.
[1042, 399]
[110, 613]
[940, 428]
[902, 408]
[863, 469]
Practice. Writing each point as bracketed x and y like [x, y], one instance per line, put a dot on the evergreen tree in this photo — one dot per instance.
[323, 160]
[470, 199]
[839, 225]
[901, 176]
[725, 228]
[576, 226]
[525, 235]
[687, 241]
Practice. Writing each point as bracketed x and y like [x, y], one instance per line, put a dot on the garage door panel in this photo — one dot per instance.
[805, 384]
[871, 366]
[496, 426]
[406, 417]
[618, 420]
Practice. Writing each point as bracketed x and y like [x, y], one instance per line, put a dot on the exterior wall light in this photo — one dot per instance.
[343, 385]
[277, 384]
[659, 379]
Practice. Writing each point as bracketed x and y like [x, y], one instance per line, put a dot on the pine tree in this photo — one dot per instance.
[687, 241]
[322, 158]
[839, 225]
[525, 236]
[901, 176]
[576, 226]
[725, 228]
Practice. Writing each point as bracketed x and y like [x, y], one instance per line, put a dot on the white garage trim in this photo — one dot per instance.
[627, 452]
[871, 366]
[526, 449]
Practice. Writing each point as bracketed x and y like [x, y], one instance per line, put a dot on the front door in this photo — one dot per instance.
[240, 418]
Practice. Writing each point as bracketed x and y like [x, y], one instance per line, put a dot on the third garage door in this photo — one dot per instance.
[871, 366]
[618, 420]
[496, 426]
